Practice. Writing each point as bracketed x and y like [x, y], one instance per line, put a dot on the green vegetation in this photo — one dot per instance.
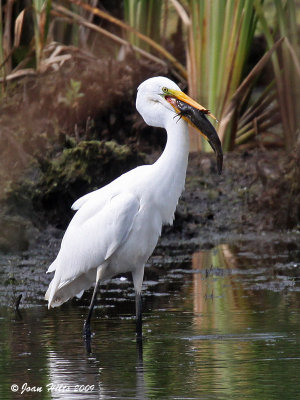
[145, 17]
[73, 94]
[79, 169]
[286, 65]
[217, 38]
[41, 16]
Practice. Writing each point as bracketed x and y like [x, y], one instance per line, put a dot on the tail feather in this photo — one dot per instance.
[52, 267]
[59, 292]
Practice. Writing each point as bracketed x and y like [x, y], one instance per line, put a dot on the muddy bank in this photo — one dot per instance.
[252, 195]
[245, 200]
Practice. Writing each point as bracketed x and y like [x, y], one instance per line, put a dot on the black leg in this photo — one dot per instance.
[138, 309]
[87, 323]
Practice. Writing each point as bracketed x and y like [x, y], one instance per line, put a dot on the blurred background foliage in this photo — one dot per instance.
[240, 59]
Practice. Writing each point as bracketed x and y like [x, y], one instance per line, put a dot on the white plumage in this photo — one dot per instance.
[116, 228]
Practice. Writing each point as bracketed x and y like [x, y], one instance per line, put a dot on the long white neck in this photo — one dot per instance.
[170, 168]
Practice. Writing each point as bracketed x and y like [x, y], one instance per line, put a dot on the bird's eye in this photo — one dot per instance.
[165, 90]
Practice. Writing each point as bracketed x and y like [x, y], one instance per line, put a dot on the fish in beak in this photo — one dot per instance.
[196, 115]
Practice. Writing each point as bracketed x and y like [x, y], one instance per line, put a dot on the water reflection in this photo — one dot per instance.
[225, 306]
[140, 379]
[214, 327]
[63, 384]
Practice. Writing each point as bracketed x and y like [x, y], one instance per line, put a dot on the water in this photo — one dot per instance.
[218, 324]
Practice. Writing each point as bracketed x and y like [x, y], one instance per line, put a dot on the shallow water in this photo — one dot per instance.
[218, 324]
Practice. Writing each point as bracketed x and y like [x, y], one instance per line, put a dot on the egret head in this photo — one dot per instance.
[159, 98]
[151, 102]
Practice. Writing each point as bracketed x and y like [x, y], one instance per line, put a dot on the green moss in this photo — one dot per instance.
[86, 166]
[52, 185]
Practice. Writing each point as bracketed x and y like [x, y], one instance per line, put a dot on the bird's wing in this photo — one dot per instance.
[122, 181]
[89, 242]
[103, 192]
[82, 200]
[91, 238]
[123, 209]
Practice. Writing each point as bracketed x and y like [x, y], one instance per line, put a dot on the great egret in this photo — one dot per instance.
[116, 228]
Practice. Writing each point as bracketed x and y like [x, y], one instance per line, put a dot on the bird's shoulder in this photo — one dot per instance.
[124, 182]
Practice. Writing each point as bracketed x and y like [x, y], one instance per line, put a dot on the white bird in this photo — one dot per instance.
[116, 227]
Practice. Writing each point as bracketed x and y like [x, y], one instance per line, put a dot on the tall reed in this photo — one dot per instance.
[145, 17]
[220, 34]
[286, 65]
[41, 17]
[218, 38]
[2, 70]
